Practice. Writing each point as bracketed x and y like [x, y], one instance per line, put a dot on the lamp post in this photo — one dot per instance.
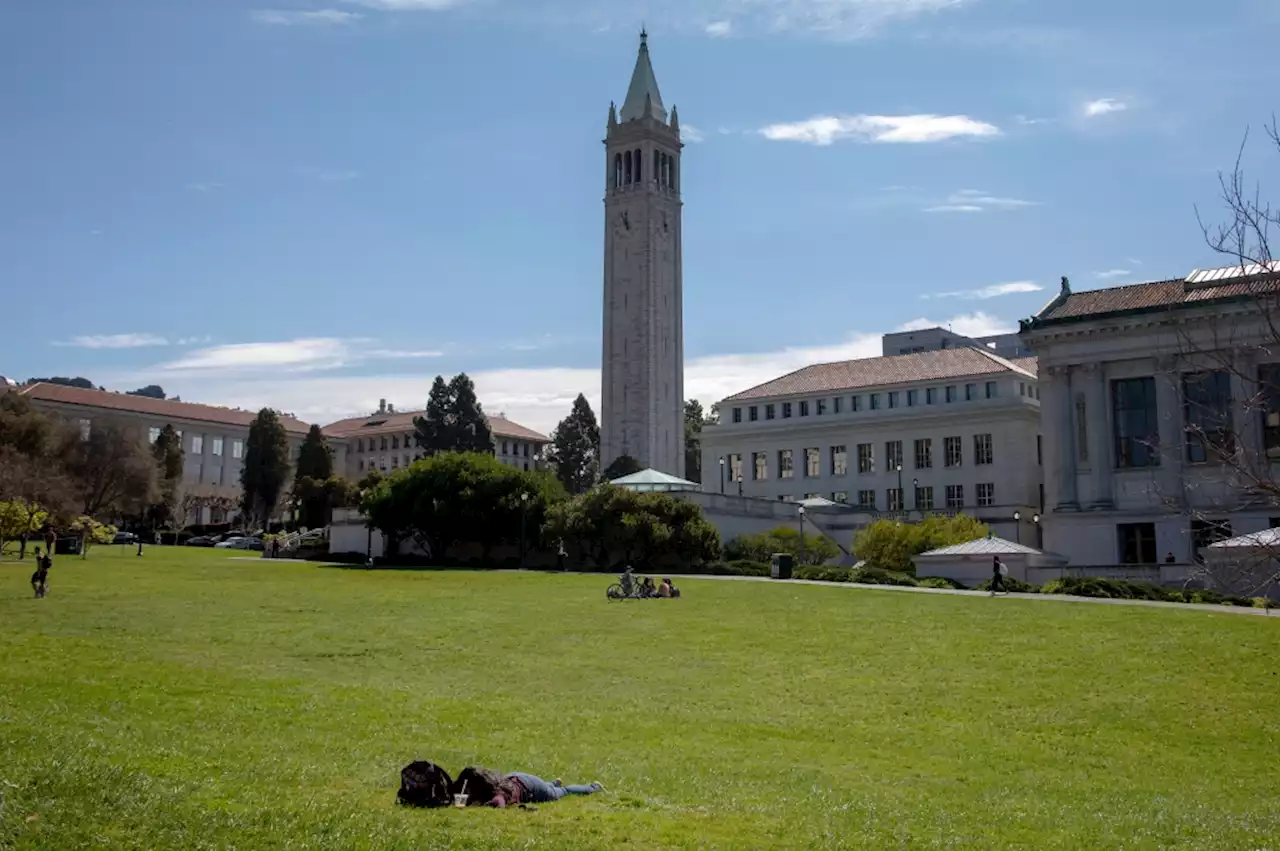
[1017, 525]
[902, 500]
[915, 494]
[1035, 518]
[722, 475]
[524, 505]
[739, 484]
[802, 534]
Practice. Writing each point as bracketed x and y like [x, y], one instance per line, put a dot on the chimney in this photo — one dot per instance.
[382, 406]
[391, 409]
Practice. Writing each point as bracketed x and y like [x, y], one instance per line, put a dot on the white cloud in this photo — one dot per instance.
[833, 19]
[301, 355]
[909, 129]
[407, 5]
[976, 324]
[689, 133]
[323, 17]
[1103, 106]
[1111, 273]
[719, 29]
[977, 201]
[115, 341]
[992, 291]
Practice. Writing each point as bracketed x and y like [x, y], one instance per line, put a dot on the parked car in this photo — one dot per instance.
[240, 544]
[125, 538]
[202, 541]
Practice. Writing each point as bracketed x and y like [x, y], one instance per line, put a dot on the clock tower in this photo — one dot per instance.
[642, 399]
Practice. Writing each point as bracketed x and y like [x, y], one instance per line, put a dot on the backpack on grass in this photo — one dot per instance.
[424, 784]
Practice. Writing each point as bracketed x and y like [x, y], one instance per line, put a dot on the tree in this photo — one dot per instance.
[454, 420]
[890, 544]
[315, 458]
[18, 518]
[25, 429]
[316, 499]
[609, 523]
[575, 448]
[111, 471]
[82, 383]
[265, 472]
[151, 391]
[92, 532]
[760, 547]
[169, 459]
[623, 465]
[694, 419]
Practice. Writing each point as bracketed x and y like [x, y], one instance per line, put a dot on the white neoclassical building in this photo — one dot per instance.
[642, 393]
[950, 430]
[1142, 388]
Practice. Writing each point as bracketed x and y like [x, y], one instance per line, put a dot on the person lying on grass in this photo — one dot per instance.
[489, 788]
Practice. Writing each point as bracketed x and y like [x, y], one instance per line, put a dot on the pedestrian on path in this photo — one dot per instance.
[998, 573]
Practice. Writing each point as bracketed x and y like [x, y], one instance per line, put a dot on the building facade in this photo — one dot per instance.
[384, 441]
[952, 430]
[1161, 415]
[934, 339]
[642, 375]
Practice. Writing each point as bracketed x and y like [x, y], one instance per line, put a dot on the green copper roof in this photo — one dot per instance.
[643, 94]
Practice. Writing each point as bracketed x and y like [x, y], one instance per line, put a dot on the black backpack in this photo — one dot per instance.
[424, 784]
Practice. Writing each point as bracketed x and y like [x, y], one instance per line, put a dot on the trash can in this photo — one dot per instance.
[67, 547]
[783, 563]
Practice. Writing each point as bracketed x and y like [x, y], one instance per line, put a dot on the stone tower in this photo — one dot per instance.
[642, 399]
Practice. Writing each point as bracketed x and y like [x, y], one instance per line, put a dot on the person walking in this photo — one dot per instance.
[50, 539]
[998, 573]
[40, 579]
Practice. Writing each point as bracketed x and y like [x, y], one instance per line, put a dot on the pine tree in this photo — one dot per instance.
[432, 430]
[470, 428]
[315, 459]
[623, 465]
[575, 448]
[266, 466]
[168, 455]
[693, 421]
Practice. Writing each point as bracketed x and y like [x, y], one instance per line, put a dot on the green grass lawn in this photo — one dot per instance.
[188, 700]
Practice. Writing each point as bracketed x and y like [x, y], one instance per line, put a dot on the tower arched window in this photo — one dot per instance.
[657, 165]
[666, 171]
[626, 160]
[639, 169]
[617, 170]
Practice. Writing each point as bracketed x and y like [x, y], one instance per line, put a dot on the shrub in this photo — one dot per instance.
[741, 567]
[890, 544]
[940, 582]
[880, 576]
[820, 573]
[760, 547]
[1017, 586]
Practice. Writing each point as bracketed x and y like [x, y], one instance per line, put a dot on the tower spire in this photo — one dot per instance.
[643, 97]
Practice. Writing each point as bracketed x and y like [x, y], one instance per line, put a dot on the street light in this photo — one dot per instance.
[722, 475]
[902, 500]
[1017, 525]
[915, 494]
[739, 484]
[802, 534]
[1035, 518]
[524, 504]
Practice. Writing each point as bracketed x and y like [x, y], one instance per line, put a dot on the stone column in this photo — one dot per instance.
[1055, 408]
[1098, 435]
[1172, 437]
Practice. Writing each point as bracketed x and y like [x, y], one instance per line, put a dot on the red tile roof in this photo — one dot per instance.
[402, 421]
[158, 408]
[938, 365]
[1152, 295]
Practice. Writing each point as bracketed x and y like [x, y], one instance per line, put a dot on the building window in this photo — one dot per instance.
[924, 499]
[982, 450]
[855, 405]
[839, 461]
[1133, 403]
[760, 466]
[893, 455]
[1206, 532]
[395, 441]
[821, 407]
[913, 398]
[525, 449]
[360, 465]
[735, 468]
[986, 495]
[867, 500]
[813, 496]
[360, 445]
[812, 463]
[1137, 543]
[786, 466]
[866, 460]
[804, 409]
[837, 404]
[197, 444]
[951, 393]
[1269, 394]
[405, 459]
[237, 449]
[526, 466]
[893, 498]
[952, 451]
[955, 496]
[992, 389]
[408, 441]
[786, 410]
[383, 445]
[1082, 429]
[784, 497]
[893, 398]
[505, 446]
[841, 497]
[395, 462]
[931, 396]
[1022, 388]
[153, 434]
[1207, 407]
[217, 446]
[924, 454]
[1039, 451]
[768, 412]
[875, 401]
[753, 413]
[970, 392]
[737, 415]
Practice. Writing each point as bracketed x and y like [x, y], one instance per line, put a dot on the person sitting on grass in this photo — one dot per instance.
[666, 589]
[647, 588]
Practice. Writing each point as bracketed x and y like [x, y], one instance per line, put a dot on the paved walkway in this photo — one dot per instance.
[1061, 598]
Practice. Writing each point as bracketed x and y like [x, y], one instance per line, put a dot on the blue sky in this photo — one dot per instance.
[317, 203]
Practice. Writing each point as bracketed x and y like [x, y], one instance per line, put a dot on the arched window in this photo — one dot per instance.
[617, 170]
[666, 170]
[627, 162]
[657, 165]
[639, 170]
